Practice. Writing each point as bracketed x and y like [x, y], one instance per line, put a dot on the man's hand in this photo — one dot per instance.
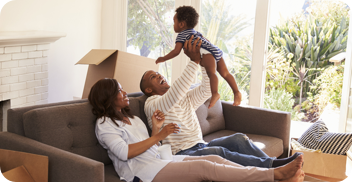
[193, 50]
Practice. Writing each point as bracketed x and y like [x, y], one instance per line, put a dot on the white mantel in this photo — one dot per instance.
[24, 66]
[28, 37]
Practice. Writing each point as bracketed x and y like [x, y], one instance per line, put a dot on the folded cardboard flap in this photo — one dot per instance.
[36, 165]
[126, 68]
[96, 56]
[18, 174]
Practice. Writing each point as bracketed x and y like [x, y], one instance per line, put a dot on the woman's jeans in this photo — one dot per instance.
[236, 148]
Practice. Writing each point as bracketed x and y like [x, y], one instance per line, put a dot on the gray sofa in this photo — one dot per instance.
[65, 133]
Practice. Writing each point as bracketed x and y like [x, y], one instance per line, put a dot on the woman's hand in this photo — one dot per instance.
[158, 119]
[168, 129]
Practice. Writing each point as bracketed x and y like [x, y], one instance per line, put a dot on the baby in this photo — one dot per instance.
[185, 19]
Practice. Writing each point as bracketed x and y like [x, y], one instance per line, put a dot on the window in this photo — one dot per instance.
[150, 30]
[115, 25]
[229, 24]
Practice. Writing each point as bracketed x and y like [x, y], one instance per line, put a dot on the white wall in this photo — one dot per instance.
[79, 19]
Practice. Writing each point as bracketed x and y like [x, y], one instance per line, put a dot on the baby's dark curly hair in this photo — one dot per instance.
[187, 14]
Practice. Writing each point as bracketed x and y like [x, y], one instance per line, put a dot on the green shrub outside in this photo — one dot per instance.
[306, 43]
[283, 101]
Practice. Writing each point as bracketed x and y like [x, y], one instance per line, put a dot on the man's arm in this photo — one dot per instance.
[200, 94]
[176, 93]
[181, 85]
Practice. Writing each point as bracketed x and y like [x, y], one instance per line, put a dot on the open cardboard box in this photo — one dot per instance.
[126, 68]
[23, 167]
[323, 164]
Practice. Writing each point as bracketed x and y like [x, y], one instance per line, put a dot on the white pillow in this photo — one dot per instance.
[297, 146]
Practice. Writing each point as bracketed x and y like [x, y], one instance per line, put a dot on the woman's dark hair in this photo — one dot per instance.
[102, 97]
[187, 14]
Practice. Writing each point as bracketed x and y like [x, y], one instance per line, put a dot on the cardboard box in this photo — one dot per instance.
[126, 68]
[23, 167]
[18, 174]
[323, 164]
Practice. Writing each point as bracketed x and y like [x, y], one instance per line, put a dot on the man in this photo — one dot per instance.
[179, 104]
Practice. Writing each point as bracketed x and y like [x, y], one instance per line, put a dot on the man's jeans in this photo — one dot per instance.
[236, 148]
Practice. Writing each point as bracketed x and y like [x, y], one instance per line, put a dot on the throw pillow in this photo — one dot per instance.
[318, 137]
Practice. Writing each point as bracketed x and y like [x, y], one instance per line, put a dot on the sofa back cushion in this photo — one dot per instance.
[137, 109]
[15, 115]
[210, 120]
[68, 127]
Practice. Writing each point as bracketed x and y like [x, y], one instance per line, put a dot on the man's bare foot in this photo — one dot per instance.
[289, 170]
[237, 98]
[215, 97]
[298, 177]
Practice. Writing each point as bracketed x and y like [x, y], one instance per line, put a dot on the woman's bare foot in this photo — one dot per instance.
[298, 177]
[215, 97]
[289, 170]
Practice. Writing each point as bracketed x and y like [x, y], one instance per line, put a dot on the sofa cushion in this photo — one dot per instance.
[15, 115]
[110, 174]
[67, 127]
[272, 146]
[137, 109]
[212, 119]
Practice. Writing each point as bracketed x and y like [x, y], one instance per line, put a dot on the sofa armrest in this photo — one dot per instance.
[258, 121]
[63, 165]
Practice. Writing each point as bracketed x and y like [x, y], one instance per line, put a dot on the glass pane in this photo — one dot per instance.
[300, 77]
[229, 24]
[150, 30]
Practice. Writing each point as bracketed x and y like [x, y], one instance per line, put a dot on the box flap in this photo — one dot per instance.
[130, 69]
[125, 67]
[36, 165]
[96, 56]
[18, 174]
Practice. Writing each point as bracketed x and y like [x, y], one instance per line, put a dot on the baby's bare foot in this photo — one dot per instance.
[237, 98]
[289, 170]
[214, 98]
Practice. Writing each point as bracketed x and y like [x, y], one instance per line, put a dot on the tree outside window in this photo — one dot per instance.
[229, 24]
[150, 30]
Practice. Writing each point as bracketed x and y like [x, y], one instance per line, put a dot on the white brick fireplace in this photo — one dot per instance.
[24, 68]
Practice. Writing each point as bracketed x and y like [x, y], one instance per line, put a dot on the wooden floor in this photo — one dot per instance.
[325, 178]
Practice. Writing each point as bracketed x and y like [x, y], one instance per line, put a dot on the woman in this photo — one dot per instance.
[134, 153]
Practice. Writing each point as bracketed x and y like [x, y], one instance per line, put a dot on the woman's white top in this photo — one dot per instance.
[116, 140]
